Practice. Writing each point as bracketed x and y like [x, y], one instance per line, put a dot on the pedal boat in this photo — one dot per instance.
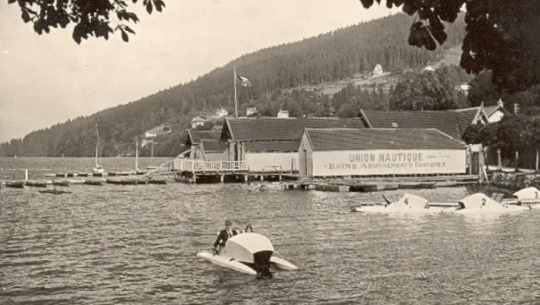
[408, 203]
[480, 203]
[248, 253]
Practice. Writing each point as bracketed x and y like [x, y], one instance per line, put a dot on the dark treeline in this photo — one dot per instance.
[273, 72]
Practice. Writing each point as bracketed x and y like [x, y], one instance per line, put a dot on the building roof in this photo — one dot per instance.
[275, 129]
[272, 146]
[489, 110]
[452, 122]
[468, 116]
[195, 136]
[380, 138]
[213, 145]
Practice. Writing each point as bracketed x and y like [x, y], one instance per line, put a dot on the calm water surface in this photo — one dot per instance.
[137, 245]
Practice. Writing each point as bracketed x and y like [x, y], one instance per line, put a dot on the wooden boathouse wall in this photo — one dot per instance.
[380, 152]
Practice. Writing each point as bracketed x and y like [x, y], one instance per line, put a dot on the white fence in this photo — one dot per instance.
[193, 166]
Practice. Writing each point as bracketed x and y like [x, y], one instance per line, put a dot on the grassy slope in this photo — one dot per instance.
[451, 57]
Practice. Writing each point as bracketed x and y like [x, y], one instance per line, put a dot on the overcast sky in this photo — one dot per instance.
[48, 79]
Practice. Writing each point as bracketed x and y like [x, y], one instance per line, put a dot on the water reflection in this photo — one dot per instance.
[138, 245]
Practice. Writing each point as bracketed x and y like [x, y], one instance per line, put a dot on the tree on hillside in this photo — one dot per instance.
[482, 90]
[427, 91]
[91, 17]
[501, 36]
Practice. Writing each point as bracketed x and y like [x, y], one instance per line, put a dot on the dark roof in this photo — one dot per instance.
[272, 146]
[195, 136]
[272, 129]
[213, 145]
[380, 138]
[466, 117]
[452, 122]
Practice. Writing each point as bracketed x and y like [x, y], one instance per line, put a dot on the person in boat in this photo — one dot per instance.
[227, 233]
[224, 235]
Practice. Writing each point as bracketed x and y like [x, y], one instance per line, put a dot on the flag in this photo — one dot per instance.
[243, 81]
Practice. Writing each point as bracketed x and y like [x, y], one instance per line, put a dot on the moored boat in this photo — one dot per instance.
[60, 182]
[36, 183]
[15, 184]
[529, 195]
[54, 191]
[408, 203]
[480, 203]
[93, 182]
[156, 180]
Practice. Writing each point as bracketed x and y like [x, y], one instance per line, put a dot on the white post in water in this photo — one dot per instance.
[26, 174]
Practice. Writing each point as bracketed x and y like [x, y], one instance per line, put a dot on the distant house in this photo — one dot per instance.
[283, 114]
[271, 144]
[197, 121]
[378, 70]
[205, 145]
[250, 111]
[497, 112]
[451, 122]
[150, 134]
[157, 131]
[221, 113]
[339, 152]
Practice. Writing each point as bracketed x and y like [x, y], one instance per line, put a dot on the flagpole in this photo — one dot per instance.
[235, 100]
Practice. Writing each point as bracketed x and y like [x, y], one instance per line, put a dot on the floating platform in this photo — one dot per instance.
[107, 174]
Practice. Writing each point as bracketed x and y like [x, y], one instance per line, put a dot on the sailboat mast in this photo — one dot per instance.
[136, 154]
[97, 145]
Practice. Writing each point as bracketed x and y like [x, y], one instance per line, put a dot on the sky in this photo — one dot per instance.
[48, 79]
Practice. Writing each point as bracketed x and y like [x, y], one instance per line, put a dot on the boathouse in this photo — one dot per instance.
[270, 144]
[345, 152]
[205, 145]
[452, 122]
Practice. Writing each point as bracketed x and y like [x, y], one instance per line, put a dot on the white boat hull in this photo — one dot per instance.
[227, 262]
[282, 264]
[249, 253]
[503, 210]
[387, 210]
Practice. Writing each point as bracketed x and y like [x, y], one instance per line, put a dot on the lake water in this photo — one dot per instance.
[137, 245]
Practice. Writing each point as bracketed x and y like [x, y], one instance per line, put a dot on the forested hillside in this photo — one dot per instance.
[326, 58]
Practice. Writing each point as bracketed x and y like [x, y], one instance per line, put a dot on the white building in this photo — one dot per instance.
[283, 114]
[373, 152]
[197, 121]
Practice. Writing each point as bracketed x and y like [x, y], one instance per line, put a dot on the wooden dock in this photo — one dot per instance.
[201, 171]
[373, 184]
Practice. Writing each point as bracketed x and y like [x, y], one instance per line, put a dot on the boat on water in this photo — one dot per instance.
[94, 182]
[248, 253]
[15, 184]
[54, 191]
[480, 203]
[529, 195]
[98, 170]
[408, 203]
[61, 182]
[36, 183]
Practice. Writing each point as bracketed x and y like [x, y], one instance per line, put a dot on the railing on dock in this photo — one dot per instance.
[194, 166]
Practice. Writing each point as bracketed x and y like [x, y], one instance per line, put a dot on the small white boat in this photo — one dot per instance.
[98, 169]
[249, 253]
[529, 195]
[479, 203]
[408, 203]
